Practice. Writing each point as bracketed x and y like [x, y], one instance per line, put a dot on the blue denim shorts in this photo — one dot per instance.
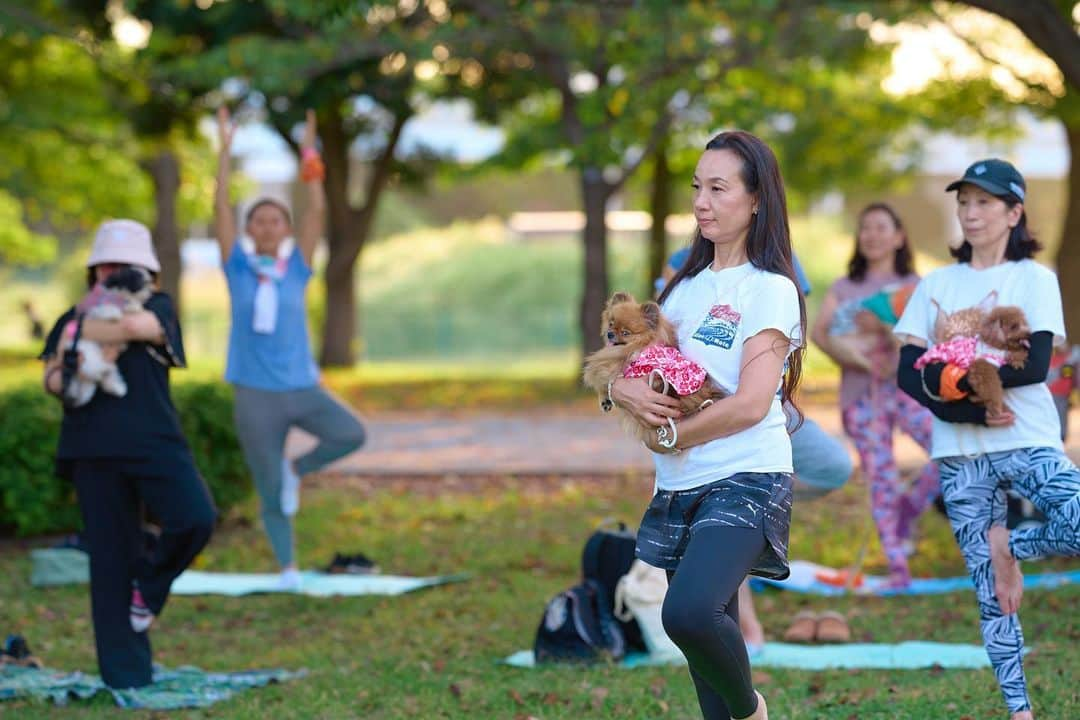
[748, 500]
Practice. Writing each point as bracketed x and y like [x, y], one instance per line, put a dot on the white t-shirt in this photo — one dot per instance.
[1025, 284]
[714, 314]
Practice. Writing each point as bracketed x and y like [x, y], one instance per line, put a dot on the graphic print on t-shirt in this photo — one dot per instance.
[719, 327]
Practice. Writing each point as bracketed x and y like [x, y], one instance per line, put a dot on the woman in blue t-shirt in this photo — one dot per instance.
[126, 451]
[270, 364]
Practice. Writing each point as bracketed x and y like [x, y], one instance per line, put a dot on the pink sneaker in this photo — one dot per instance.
[140, 615]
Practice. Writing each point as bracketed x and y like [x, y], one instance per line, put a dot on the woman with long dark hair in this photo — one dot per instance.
[871, 404]
[723, 498]
[982, 454]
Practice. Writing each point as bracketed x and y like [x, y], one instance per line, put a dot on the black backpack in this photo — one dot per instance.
[578, 627]
[607, 556]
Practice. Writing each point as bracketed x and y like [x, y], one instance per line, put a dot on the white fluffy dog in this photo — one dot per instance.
[122, 293]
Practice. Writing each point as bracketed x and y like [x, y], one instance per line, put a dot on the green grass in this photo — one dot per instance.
[434, 653]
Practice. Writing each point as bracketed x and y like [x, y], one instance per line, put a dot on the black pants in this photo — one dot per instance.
[110, 491]
[701, 616]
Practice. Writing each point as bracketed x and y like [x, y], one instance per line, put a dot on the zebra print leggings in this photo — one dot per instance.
[974, 490]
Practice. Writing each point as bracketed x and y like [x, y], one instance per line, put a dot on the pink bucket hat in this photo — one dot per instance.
[123, 241]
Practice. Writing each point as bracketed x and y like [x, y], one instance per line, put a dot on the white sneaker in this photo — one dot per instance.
[290, 488]
[289, 580]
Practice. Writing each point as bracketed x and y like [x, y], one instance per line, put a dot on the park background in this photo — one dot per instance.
[495, 170]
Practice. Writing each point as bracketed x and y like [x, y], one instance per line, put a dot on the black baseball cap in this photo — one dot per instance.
[995, 176]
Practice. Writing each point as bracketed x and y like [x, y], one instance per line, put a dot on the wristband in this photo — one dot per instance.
[308, 153]
[607, 404]
[950, 376]
[311, 167]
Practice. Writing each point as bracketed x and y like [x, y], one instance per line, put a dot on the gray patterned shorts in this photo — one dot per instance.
[748, 500]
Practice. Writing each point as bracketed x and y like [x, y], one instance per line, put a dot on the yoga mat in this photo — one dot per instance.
[59, 566]
[317, 584]
[185, 687]
[807, 577]
[866, 656]
[64, 566]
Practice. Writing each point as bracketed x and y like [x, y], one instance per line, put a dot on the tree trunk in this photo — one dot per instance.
[347, 231]
[339, 326]
[659, 208]
[595, 193]
[164, 170]
[1049, 28]
[1068, 254]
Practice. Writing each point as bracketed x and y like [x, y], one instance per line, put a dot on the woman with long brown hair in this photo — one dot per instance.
[871, 404]
[723, 499]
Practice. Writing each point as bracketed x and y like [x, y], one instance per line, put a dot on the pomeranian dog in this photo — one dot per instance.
[1004, 339]
[641, 342]
[122, 293]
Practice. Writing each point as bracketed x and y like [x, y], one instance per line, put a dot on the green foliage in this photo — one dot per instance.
[66, 155]
[33, 500]
[19, 244]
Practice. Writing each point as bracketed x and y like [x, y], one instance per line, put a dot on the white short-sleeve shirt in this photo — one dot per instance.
[714, 313]
[1025, 284]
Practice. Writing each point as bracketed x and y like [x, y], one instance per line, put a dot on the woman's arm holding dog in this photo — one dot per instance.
[840, 350]
[141, 326]
[649, 407]
[1037, 366]
[763, 364]
[51, 379]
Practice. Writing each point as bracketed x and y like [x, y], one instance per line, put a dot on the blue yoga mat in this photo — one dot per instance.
[196, 582]
[63, 566]
[184, 687]
[852, 656]
[806, 578]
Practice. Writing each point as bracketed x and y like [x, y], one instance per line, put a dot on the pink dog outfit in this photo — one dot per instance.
[961, 351]
[681, 373]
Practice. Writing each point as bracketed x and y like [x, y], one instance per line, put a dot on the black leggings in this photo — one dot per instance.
[110, 491]
[701, 616]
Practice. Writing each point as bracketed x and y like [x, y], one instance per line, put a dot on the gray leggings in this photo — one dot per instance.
[263, 419]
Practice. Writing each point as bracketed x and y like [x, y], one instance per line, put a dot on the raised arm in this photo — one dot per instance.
[224, 222]
[311, 172]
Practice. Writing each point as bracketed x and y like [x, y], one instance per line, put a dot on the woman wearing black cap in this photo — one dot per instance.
[980, 454]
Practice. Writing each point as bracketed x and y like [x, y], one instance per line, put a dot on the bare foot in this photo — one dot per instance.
[1022, 715]
[1008, 580]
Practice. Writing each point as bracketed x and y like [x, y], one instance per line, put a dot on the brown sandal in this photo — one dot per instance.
[803, 627]
[832, 627]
